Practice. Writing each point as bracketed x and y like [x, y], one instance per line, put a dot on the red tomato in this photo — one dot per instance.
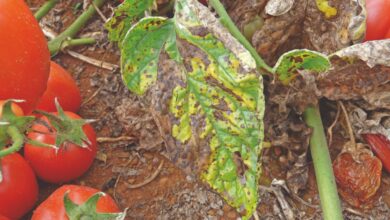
[388, 34]
[3, 218]
[378, 20]
[24, 55]
[68, 162]
[53, 207]
[15, 108]
[19, 188]
[63, 86]
[380, 145]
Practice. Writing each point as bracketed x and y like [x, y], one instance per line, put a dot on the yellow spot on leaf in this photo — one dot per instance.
[324, 7]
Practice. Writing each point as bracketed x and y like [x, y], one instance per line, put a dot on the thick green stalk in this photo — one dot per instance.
[74, 28]
[45, 8]
[17, 141]
[72, 43]
[326, 182]
[229, 24]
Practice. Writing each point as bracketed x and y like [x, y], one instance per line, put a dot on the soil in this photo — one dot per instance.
[164, 191]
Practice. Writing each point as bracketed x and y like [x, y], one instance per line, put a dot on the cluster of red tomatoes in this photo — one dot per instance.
[26, 73]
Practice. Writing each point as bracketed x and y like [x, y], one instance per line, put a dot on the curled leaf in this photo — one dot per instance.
[371, 52]
[290, 63]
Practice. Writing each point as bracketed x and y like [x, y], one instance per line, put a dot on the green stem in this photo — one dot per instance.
[17, 139]
[326, 183]
[45, 8]
[229, 24]
[72, 43]
[74, 28]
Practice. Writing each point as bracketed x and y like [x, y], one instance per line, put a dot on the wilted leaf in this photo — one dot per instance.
[305, 25]
[372, 52]
[291, 62]
[124, 16]
[348, 80]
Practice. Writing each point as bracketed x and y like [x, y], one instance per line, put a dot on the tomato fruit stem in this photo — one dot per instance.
[229, 24]
[45, 8]
[56, 44]
[326, 182]
[88, 209]
[17, 141]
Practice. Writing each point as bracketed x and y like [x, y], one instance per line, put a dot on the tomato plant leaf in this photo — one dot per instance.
[88, 210]
[219, 98]
[124, 16]
[141, 50]
[291, 62]
[231, 104]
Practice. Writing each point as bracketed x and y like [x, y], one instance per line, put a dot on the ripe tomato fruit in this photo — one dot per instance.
[18, 188]
[53, 207]
[378, 21]
[16, 109]
[3, 218]
[24, 55]
[61, 165]
[62, 86]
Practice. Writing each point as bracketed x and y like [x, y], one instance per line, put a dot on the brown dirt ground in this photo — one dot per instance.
[123, 164]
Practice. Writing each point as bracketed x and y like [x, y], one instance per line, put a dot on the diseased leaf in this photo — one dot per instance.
[291, 62]
[213, 93]
[232, 106]
[141, 49]
[124, 16]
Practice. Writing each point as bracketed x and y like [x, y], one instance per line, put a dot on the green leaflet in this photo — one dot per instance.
[124, 16]
[141, 49]
[289, 63]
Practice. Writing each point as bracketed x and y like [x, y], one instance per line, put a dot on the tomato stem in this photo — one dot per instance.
[44, 9]
[326, 182]
[229, 24]
[72, 43]
[17, 139]
[74, 28]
